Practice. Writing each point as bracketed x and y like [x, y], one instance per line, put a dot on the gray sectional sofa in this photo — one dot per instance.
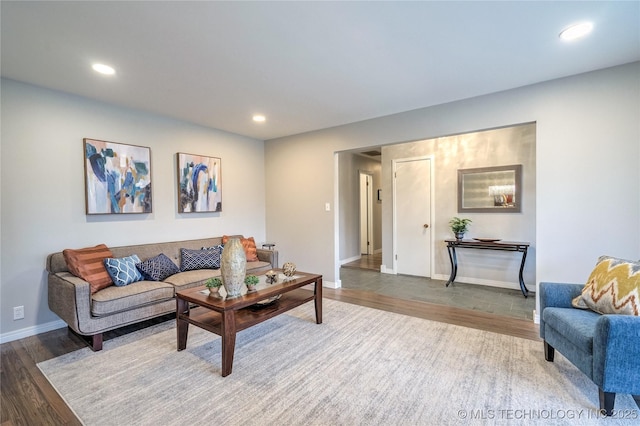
[113, 307]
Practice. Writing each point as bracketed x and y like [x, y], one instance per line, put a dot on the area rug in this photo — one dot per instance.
[360, 367]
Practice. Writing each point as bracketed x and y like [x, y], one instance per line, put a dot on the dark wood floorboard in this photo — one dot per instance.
[28, 399]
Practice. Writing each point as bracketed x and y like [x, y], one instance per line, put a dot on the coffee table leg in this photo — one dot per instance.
[318, 293]
[182, 326]
[228, 341]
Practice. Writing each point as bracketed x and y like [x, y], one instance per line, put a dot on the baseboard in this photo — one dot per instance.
[351, 259]
[536, 317]
[385, 270]
[331, 284]
[31, 331]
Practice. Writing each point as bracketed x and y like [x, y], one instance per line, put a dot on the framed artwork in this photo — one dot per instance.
[117, 178]
[490, 189]
[199, 184]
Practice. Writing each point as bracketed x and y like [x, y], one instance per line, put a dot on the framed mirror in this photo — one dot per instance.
[490, 189]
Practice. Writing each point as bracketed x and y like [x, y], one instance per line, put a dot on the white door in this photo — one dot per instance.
[366, 213]
[412, 216]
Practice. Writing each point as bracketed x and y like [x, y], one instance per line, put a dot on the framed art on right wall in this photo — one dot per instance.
[199, 184]
[490, 189]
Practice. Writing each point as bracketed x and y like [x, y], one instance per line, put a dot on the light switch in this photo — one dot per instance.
[327, 207]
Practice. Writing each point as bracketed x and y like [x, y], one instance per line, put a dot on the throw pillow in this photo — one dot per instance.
[612, 288]
[249, 245]
[158, 268]
[199, 259]
[123, 270]
[88, 264]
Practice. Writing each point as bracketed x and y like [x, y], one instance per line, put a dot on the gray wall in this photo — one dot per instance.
[587, 181]
[43, 189]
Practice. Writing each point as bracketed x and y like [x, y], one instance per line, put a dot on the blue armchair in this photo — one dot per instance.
[604, 347]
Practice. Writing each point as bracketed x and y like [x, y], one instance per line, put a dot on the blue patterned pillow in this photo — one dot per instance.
[158, 268]
[123, 270]
[200, 259]
[217, 253]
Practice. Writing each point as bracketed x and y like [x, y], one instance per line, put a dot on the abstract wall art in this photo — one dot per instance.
[117, 177]
[199, 185]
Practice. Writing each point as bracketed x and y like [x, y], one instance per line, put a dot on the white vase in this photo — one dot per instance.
[233, 267]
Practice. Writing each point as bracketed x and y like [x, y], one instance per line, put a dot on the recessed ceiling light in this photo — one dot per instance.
[576, 31]
[103, 69]
[259, 118]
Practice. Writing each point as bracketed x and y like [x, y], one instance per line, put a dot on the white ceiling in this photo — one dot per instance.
[305, 65]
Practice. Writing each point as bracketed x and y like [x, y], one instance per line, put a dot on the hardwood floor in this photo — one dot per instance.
[371, 262]
[450, 314]
[28, 399]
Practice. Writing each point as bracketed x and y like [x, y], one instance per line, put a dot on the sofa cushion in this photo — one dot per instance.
[199, 259]
[249, 245]
[575, 325]
[188, 279]
[612, 288]
[258, 267]
[88, 264]
[158, 268]
[123, 270]
[114, 299]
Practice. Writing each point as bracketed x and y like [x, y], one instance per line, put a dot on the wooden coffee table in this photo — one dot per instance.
[226, 317]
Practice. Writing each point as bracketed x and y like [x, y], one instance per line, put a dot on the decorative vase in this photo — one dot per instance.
[459, 235]
[233, 264]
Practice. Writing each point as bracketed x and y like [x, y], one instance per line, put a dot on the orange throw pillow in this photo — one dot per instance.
[88, 264]
[249, 245]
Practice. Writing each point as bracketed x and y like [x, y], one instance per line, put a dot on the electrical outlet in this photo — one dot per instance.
[18, 312]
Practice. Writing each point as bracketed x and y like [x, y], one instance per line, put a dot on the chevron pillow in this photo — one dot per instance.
[200, 259]
[158, 268]
[612, 288]
[123, 270]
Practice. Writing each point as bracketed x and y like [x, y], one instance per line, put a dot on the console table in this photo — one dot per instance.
[486, 245]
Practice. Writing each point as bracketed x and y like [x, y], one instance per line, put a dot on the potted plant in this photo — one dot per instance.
[459, 226]
[251, 282]
[213, 284]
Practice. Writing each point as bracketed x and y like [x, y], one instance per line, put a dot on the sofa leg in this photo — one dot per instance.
[549, 352]
[96, 342]
[93, 341]
[607, 399]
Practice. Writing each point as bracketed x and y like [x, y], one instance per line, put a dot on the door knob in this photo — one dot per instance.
[425, 225]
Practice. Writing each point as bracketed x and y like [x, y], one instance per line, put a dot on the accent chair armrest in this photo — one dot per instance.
[616, 354]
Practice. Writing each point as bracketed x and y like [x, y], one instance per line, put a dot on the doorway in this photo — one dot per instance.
[412, 231]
